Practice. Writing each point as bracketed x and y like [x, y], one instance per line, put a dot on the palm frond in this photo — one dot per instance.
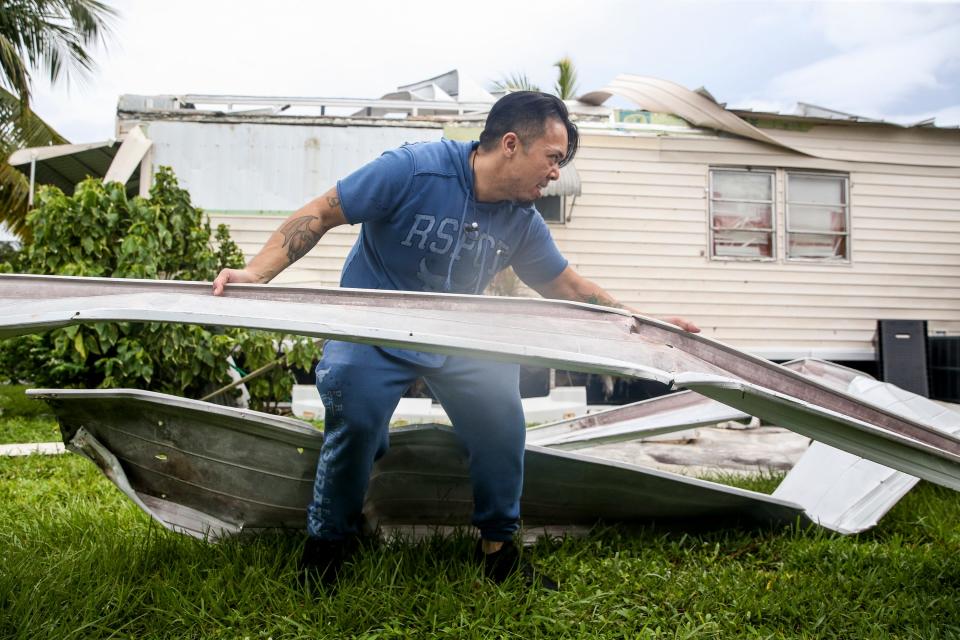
[21, 128]
[566, 87]
[517, 81]
[14, 73]
[14, 195]
[52, 35]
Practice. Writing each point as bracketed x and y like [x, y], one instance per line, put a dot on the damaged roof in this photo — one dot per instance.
[701, 109]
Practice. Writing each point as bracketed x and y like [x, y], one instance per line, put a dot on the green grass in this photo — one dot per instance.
[21, 429]
[14, 402]
[78, 560]
[23, 419]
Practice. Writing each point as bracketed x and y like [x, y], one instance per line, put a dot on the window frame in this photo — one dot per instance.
[563, 210]
[711, 227]
[847, 259]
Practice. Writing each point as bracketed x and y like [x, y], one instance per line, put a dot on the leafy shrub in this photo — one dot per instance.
[99, 231]
[8, 255]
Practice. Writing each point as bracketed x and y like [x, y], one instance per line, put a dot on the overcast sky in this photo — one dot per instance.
[896, 60]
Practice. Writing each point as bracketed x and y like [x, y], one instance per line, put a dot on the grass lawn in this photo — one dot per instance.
[78, 560]
[23, 419]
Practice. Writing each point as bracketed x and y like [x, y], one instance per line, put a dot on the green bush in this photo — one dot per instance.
[98, 231]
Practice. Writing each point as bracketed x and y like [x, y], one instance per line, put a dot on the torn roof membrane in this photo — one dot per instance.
[540, 332]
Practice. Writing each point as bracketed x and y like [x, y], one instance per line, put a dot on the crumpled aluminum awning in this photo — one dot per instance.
[211, 471]
[65, 165]
[837, 490]
[540, 332]
[644, 419]
[671, 413]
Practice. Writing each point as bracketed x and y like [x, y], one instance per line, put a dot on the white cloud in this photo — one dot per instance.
[853, 25]
[873, 78]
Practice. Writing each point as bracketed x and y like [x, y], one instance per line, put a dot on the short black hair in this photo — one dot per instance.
[526, 113]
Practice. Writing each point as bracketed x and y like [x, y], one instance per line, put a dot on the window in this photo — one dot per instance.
[551, 208]
[817, 217]
[742, 214]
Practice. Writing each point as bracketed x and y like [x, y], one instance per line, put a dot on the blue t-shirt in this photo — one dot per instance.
[424, 231]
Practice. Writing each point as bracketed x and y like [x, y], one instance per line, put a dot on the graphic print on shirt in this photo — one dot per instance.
[476, 255]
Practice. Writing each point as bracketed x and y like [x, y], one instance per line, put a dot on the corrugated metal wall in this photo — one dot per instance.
[640, 228]
[263, 168]
[252, 175]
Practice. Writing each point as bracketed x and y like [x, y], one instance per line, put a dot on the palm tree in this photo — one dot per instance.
[50, 35]
[53, 36]
[565, 88]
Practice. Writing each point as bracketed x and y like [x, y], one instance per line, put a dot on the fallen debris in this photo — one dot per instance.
[212, 471]
[542, 332]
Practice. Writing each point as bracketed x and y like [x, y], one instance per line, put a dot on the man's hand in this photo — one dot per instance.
[290, 242]
[236, 276]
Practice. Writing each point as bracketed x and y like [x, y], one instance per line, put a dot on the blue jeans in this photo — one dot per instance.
[360, 387]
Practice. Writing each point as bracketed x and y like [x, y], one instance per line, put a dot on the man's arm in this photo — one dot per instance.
[290, 242]
[570, 285]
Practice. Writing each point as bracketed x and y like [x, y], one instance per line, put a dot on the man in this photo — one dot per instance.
[445, 217]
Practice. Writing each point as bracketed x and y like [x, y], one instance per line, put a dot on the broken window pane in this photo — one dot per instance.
[742, 214]
[812, 245]
[817, 189]
[811, 218]
[742, 244]
[742, 185]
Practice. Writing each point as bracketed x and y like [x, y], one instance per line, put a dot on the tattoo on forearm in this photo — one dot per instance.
[333, 201]
[605, 302]
[299, 236]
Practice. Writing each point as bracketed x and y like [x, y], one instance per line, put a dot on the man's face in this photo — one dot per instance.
[537, 162]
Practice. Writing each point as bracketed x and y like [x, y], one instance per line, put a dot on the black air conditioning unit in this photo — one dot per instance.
[902, 354]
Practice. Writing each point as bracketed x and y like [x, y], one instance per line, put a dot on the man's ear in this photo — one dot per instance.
[510, 144]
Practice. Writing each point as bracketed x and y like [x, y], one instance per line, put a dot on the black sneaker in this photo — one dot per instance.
[500, 565]
[321, 560]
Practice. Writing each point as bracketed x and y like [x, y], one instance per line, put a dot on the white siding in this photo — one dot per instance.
[319, 268]
[640, 229]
